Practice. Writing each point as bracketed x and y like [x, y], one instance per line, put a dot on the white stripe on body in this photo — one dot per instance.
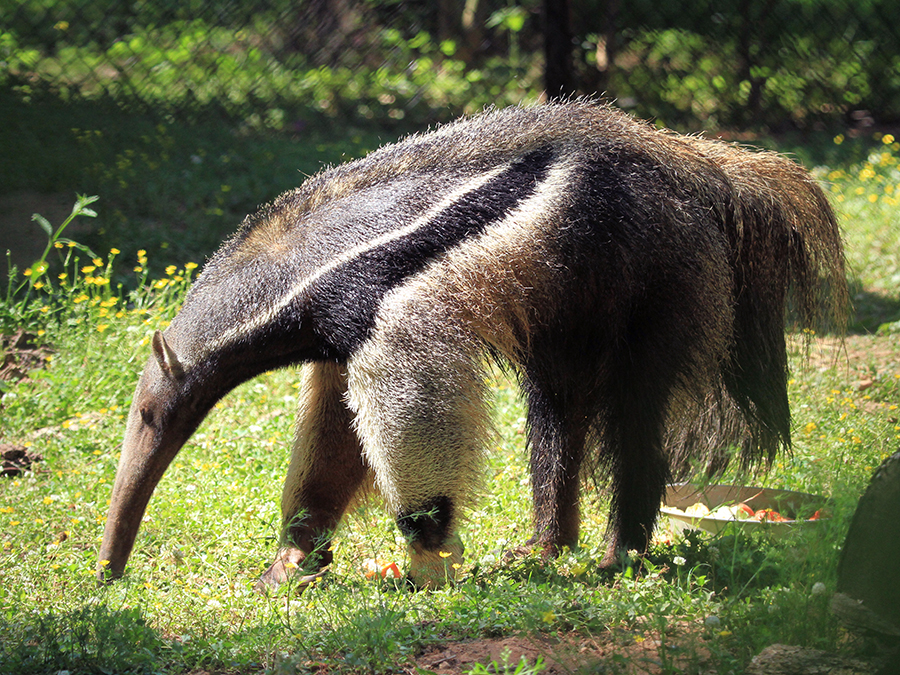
[297, 289]
[384, 383]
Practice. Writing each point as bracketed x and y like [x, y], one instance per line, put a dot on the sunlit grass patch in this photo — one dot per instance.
[212, 526]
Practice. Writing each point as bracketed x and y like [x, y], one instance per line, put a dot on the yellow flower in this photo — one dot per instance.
[97, 262]
[80, 298]
[445, 554]
[548, 617]
[170, 270]
[887, 139]
[58, 244]
[114, 251]
[161, 283]
[87, 269]
[191, 266]
[138, 269]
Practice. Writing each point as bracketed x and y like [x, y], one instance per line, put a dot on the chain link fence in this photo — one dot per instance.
[690, 64]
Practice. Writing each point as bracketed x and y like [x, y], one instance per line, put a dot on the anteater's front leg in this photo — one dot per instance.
[325, 473]
[419, 395]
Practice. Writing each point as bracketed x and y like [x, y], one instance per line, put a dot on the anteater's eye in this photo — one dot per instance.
[147, 416]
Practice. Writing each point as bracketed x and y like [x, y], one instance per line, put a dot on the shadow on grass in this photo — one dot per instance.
[92, 639]
[871, 310]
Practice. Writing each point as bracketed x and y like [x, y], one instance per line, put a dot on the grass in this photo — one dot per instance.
[186, 603]
[183, 186]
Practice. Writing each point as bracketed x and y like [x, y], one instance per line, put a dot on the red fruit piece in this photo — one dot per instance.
[745, 510]
[769, 515]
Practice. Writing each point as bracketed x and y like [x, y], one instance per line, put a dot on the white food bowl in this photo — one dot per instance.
[796, 507]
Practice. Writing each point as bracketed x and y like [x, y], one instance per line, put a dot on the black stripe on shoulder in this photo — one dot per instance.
[343, 303]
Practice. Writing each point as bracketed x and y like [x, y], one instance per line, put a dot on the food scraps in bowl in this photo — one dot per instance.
[715, 507]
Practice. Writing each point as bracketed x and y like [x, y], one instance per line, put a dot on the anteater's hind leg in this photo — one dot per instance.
[631, 426]
[649, 372]
[325, 473]
[557, 428]
[639, 469]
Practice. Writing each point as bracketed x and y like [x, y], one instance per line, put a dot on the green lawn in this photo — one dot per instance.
[186, 603]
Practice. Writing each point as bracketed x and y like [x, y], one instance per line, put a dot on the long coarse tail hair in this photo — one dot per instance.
[788, 269]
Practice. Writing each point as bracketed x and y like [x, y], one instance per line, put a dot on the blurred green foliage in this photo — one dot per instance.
[703, 64]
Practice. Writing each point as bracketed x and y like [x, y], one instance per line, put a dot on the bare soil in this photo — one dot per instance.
[614, 652]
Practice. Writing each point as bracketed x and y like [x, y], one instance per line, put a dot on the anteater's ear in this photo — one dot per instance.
[166, 358]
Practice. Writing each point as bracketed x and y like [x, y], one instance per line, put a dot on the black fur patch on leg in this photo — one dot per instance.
[429, 525]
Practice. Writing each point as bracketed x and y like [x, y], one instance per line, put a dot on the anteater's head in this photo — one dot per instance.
[164, 413]
[244, 316]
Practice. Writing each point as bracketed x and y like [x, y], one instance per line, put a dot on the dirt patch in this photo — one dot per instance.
[19, 354]
[625, 652]
[16, 459]
[865, 359]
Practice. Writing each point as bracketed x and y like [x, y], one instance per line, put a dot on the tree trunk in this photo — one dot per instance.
[557, 50]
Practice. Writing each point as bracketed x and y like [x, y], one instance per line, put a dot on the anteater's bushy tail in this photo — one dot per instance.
[788, 263]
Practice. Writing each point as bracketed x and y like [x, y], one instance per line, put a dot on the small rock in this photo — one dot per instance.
[791, 660]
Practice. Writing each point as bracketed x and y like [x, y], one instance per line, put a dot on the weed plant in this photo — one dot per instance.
[696, 602]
